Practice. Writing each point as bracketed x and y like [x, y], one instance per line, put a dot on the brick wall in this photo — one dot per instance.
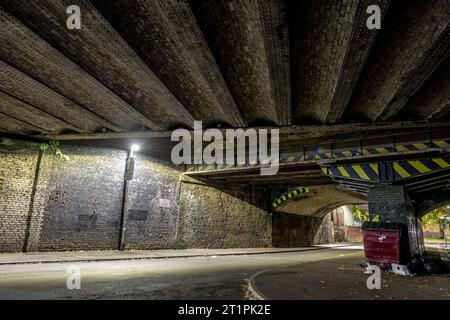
[16, 182]
[392, 204]
[353, 234]
[77, 205]
[152, 220]
[389, 203]
[78, 202]
[292, 230]
[211, 217]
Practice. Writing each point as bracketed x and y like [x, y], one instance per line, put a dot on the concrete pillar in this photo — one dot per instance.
[392, 204]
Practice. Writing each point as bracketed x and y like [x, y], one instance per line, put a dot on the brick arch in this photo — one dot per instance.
[321, 200]
[427, 202]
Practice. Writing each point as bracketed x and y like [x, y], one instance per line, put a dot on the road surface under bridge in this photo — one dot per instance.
[324, 273]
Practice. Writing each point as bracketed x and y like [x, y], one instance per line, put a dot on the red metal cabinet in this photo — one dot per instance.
[383, 243]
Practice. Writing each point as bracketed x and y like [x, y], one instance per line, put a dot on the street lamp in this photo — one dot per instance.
[129, 173]
[134, 147]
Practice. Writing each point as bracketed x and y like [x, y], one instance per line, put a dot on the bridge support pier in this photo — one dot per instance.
[391, 203]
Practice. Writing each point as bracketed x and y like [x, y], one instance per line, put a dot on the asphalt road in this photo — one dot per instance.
[222, 277]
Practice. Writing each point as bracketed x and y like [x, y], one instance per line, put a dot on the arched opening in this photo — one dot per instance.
[436, 227]
[316, 218]
[347, 221]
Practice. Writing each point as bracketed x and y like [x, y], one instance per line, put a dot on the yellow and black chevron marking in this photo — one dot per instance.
[443, 143]
[402, 169]
[365, 171]
[319, 154]
[348, 153]
[410, 168]
[291, 157]
[200, 167]
[288, 195]
[208, 167]
[323, 152]
[368, 151]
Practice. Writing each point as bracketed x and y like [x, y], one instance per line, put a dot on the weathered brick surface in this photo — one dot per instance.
[234, 32]
[16, 182]
[425, 68]
[392, 204]
[432, 101]
[81, 199]
[389, 203]
[211, 218]
[427, 201]
[276, 34]
[320, 32]
[18, 126]
[404, 55]
[294, 230]
[353, 234]
[60, 74]
[172, 45]
[357, 51]
[22, 111]
[21, 86]
[153, 206]
[77, 205]
[161, 64]
[100, 50]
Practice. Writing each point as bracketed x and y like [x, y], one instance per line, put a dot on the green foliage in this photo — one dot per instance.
[359, 214]
[231, 243]
[433, 216]
[53, 147]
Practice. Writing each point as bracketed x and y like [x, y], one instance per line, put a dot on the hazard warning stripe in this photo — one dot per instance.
[402, 149]
[346, 153]
[325, 153]
[288, 195]
[374, 167]
[410, 168]
[441, 163]
[402, 169]
[357, 171]
[291, 157]
[441, 143]
[421, 146]
[419, 166]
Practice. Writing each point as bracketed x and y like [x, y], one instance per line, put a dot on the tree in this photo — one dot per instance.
[360, 215]
[54, 147]
[433, 216]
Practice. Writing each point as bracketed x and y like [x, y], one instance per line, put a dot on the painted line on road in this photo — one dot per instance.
[260, 296]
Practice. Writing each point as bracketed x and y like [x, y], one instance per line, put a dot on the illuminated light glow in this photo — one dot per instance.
[135, 147]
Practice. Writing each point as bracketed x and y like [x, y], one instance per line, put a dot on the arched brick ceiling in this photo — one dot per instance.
[154, 65]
